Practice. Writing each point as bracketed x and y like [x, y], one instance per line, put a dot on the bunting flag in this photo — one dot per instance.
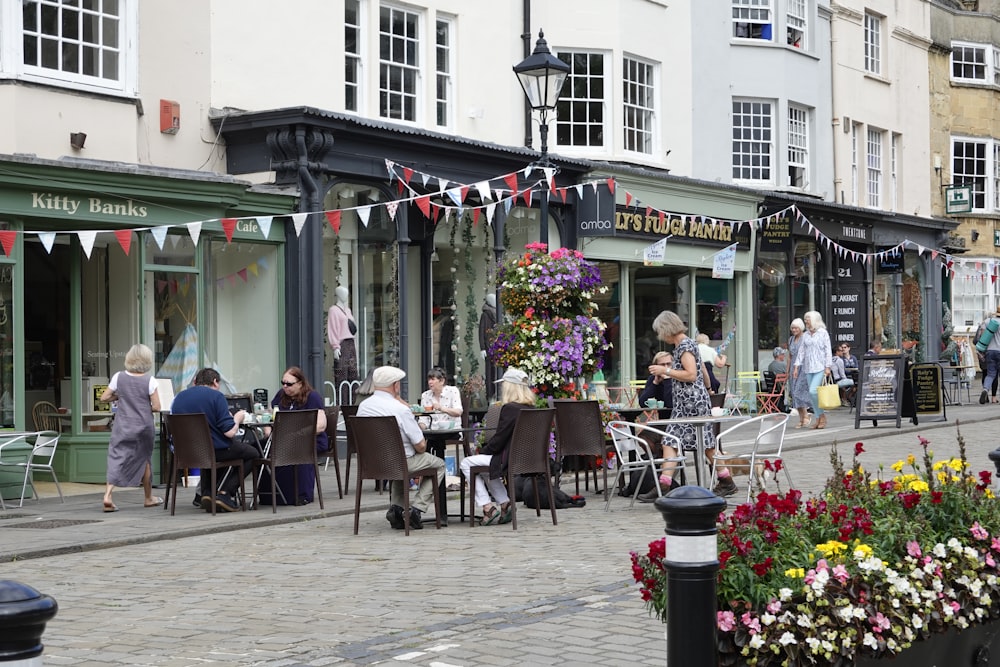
[7, 238]
[364, 213]
[229, 227]
[424, 204]
[334, 218]
[159, 235]
[47, 239]
[87, 238]
[391, 208]
[242, 273]
[194, 229]
[298, 220]
[264, 221]
[124, 237]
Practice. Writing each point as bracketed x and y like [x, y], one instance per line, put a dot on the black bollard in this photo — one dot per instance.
[995, 457]
[23, 615]
[692, 564]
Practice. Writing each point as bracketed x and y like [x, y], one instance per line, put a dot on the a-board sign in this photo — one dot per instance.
[880, 389]
[928, 390]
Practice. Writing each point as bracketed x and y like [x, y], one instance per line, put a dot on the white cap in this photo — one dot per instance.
[515, 376]
[386, 376]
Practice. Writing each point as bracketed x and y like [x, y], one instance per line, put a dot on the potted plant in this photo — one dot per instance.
[875, 565]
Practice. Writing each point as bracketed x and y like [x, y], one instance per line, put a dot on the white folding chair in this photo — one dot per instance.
[43, 452]
[748, 446]
[634, 455]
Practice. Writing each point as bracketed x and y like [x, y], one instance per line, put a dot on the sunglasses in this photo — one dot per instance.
[289, 384]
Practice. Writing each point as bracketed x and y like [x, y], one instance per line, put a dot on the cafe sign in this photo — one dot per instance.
[50, 202]
[690, 228]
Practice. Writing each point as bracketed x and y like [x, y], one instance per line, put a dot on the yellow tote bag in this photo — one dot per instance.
[829, 395]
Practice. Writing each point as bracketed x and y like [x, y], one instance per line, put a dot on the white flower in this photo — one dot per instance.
[756, 642]
[917, 621]
[767, 618]
[845, 613]
[787, 638]
[870, 640]
[939, 550]
[813, 643]
[804, 621]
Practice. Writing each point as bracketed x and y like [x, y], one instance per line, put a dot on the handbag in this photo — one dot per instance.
[828, 395]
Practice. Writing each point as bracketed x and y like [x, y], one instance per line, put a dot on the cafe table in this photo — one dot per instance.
[702, 473]
[262, 440]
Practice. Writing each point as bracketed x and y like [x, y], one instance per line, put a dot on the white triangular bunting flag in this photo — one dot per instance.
[920, 249]
[87, 238]
[484, 190]
[389, 164]
[549, 175]
[159, 235]
[391, 208]
[443, 184]
[47, 239]
[424, 178]
[194, 229]
[579, 190]
[299, 219]
[265, 224]
[507, 203]
[456, 195]
[364, 213]
[491, 210]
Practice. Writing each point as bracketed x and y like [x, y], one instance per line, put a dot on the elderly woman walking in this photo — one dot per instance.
[813, 359]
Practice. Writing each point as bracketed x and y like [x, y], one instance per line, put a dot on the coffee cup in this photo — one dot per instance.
[651, 403]
[660, 404]
[718, 412]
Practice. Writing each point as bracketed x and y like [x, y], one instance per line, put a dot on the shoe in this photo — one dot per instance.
[197, 501]
[206, 503]
[416, 522]
[506, 515]
[110, 507]
[821, 422]
[395, 517]
[491, 515]
[725, 487]
[226, 503]
[983, 397]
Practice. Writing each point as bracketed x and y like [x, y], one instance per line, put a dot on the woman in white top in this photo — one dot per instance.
[443, 399]
[813, 358]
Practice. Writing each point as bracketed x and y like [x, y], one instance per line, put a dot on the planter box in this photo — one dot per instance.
[976, 646]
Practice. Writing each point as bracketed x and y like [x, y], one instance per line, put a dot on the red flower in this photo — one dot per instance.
[937, 497]
[761, 569]
[910, 500]
[858, 448]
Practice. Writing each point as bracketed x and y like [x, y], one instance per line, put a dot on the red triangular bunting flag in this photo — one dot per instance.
[243, 274]
[424, 204]
[649, 211]
[511, 181]
[628, 198]
[124, 239]
[475, 217]
[407, 174]
[7, 238]
[334, 218]
[526, 196]
[662, 217]
[611, 185]
[552, 185]
[562, 193]
[464, 192]
[229, 226]
[400, 186]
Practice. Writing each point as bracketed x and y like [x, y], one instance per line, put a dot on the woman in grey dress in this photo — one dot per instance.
[798, 386]
[131, 448]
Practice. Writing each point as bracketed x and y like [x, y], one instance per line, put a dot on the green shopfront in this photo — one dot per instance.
[99, 256]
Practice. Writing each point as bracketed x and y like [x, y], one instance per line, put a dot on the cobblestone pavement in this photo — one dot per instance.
[139, 587]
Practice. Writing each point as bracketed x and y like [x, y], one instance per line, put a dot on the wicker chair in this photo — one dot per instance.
[46, 416]
[332, 415]
[580, 432]
[381, 456]
[293, 443]
[193, 448]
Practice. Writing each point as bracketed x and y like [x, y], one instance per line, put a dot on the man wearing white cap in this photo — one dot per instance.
[385, 402]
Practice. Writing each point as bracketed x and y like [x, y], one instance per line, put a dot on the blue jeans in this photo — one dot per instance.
[992, 368]
[815, 380]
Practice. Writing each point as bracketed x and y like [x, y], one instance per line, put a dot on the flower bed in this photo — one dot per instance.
[874, 564]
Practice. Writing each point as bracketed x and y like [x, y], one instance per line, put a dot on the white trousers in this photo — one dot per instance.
[496, 487]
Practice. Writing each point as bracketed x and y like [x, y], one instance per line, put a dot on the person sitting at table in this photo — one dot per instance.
[875, 348]
[658, 386]
[515, 395]
[850, 361]
[206, 397]
[297, 394]
[385, 402]
[442, 398]
[839, 374]
[691, 399]
[778, 364]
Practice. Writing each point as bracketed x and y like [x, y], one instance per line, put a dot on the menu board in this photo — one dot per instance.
[880, 390]
[928, 390]
[99, 405]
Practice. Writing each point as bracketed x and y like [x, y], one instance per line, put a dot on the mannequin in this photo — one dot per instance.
[340, 332]
[487, 322]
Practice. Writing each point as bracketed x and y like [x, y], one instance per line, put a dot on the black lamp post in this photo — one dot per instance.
[542, 76]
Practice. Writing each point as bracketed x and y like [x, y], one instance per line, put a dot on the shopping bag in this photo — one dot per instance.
[829, 396]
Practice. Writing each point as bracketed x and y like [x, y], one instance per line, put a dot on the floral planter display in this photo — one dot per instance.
[894, 566]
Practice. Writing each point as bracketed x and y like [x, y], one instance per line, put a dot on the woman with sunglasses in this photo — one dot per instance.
[297, 394]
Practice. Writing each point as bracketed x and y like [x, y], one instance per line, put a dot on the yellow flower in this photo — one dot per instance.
[865, 550]
[910, 460]
[898, 466]
[795, 573]
[918, 485]
[831, 548]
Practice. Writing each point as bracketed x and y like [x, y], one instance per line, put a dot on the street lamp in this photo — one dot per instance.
[542, 76]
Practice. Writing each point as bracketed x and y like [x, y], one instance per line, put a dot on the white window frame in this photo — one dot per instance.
[873, 43]
[444, 79]
[639, 105]
[894, 143]
[874, 166]
[983, 181]
[797, 21]
[753, 20]
[855, 168]
[12, 64]
[754, 137]
[988, 63]
[566, 115]
[798, 144]
[353, 60]
[405, 67]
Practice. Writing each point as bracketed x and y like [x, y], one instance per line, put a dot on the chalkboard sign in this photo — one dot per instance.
[880, 390]
[928, 390]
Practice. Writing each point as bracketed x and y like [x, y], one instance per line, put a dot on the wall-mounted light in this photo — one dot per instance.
[77, 139]
[975, 235]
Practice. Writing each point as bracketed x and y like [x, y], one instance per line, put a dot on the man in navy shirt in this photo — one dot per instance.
[205, 397]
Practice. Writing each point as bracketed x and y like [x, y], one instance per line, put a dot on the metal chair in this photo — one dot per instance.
[193, 448]
[580, 432]
[293, 443]
[46, 416]
[752, 456]
[332, 415]
[381, 455]
[742, 391]
[635, 455]
[44, 441]
[769, 401]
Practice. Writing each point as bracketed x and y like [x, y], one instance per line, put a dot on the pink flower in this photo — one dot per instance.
[774, 606]
[726, 620]
[752, 623]
[989, 559]
[821, 565]
[810, 577]
[995, 545]
[955, 607]
[913, 548]
[840, 574]
[923, 441]
[879, 622]
[979, 532]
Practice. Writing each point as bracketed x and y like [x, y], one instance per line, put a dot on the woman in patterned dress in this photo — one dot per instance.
[798, 385]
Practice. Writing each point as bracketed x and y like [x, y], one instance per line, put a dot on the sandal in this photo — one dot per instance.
[156, 502]
[110, 507]
[491, 514]
[507, 513]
